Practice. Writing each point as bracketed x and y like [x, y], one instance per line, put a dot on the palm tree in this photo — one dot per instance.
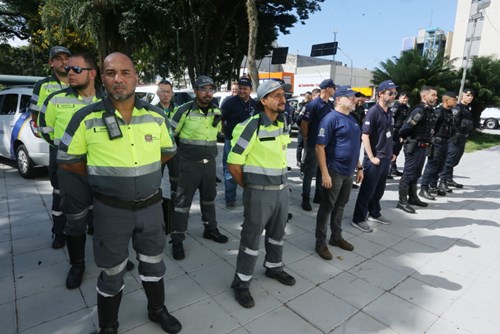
[412, 70]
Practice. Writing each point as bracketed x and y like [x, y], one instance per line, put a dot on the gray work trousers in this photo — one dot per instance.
[113, 229]
[76, 202]
[194, 176]
[263, 209]
[332, 205]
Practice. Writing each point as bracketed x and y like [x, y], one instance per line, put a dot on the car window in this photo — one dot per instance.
[182, 97]
[24, 106]
[9, 105]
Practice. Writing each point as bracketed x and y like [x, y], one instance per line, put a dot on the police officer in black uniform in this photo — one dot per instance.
[400, 111]
[464, 125]
[417, 131]
[439, 149]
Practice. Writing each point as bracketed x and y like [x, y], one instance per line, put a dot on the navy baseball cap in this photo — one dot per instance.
[450, 94]
[327, 83]
[58, 49]
[469, 91]
[203, 80]
[386, 85]
[244, 81]
[344, 91]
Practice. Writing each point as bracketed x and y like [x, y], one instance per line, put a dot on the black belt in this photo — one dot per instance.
[130, 205]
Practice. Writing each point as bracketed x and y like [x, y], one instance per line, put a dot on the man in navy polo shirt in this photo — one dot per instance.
[377, 140]
[235, 109]
[315, 111]
[338, 138]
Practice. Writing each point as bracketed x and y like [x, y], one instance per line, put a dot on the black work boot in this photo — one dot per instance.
[403, 203]
[107, 311]
[242, 292]
[451, 183]
[177, 250]
[425, 193]
[413, 197]
[306, 205]
[76, 251]
[441, 189]
[157, 311]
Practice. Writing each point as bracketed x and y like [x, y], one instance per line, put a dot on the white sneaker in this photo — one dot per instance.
[380, 219]
[363, 226]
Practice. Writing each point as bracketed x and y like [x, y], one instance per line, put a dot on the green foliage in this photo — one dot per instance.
[18, 18]
[411, 71]
[22, 61]
[480, 141]
[484, 78]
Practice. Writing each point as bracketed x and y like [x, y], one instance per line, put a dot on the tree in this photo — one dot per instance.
[253, 24]
[411, 71]
[484, 78]
[22, 61]
[18, 18]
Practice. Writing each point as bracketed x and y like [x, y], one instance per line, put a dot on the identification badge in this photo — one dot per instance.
[388, 134]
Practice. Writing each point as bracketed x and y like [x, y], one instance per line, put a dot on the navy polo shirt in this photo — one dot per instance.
[340, 134]
[235, 111]
[315, 111]
[379, 126]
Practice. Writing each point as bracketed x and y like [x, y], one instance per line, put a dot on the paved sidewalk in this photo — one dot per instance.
[437, 271]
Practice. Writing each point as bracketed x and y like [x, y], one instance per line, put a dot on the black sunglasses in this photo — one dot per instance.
[77, 69]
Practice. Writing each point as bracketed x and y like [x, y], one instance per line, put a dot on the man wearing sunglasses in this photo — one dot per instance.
[196, 124]
[377, 141]
[58, 58]
[75, 194]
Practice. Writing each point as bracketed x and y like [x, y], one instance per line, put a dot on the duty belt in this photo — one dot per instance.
[267, 187]
[130, 205]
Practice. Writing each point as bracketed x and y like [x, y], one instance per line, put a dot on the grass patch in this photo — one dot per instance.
[480, 141]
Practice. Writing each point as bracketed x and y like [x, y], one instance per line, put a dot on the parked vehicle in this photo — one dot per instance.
[148, 94]
[20, 140]
[490, 118]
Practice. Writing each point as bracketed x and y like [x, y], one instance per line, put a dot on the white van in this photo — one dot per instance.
[20, 140]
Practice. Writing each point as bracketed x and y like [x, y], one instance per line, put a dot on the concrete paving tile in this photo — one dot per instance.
[382, 237]
[291, 253]
[240, 330]
[21, 208]
[476, 319]
[264, 303]
[458, 265]
[282, 292]
[354, 290]
[182, 291]
[345, 260]
[433, 299]
[210, 318]
[361, 323]
[364, 247]
[444, 326]
[48, 305]
[416, 250]
[305, 241]
[398, 228]
[6, 265]
[400, 315]
[146, 327]
[281, 320]
[8, 291]
[378, 274]
[74, 323]
[31, 243]
[397, 261]
[197, 259]
[315, 269]
[8, 317]
[40, 279]
[42, 258]
[214, 278]
[322, 309]
[441, 278]
[41, 231]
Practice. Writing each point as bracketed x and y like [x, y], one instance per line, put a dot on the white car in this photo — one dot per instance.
[490, 118]
[20, 140]
[148, 94]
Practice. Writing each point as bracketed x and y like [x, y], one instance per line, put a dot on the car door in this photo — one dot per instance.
[9, 104]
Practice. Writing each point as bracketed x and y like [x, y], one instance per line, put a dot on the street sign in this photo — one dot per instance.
[325, 49]
[279, 56]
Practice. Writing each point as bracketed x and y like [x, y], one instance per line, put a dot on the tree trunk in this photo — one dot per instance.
[253, 27]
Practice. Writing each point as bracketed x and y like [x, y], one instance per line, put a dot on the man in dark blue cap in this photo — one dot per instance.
[235, 109]
[315, 111]
[377, 140]
[337, 149]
